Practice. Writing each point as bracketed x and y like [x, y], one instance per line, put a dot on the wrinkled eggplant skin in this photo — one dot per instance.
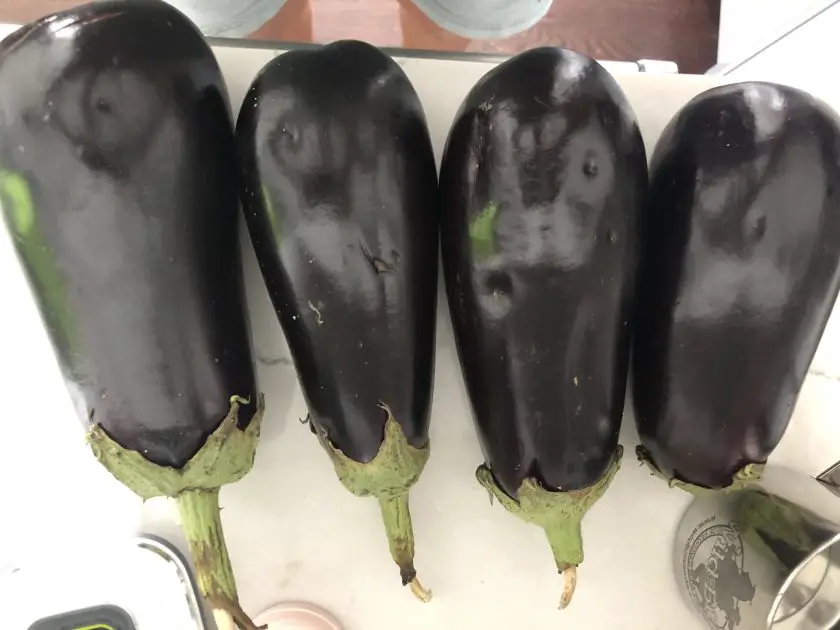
[342, 206]
[115, 116]
[542, 313]
[739, 276]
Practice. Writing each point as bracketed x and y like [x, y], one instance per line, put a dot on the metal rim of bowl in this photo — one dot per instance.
[826, 545]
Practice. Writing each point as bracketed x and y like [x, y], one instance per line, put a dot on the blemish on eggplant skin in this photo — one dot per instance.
[317, 310]
[379, 265]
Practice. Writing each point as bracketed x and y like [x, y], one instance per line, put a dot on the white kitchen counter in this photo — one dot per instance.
[747, 26]
[295, 533]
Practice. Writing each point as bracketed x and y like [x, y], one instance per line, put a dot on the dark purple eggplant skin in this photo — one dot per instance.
[542, 324]
[738, 279]
[341, 201]
[115, 116]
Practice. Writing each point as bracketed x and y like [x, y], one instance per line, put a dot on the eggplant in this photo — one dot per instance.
[543, 184]
[739, 276]
[119, 188]
[341, 199]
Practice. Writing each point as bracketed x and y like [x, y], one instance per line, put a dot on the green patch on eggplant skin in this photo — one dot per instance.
[226, 457]
[559, 513]
[744, 478]
[21, 210]
[271, 212]
[388, 477]
[18, 205]
[482, 228]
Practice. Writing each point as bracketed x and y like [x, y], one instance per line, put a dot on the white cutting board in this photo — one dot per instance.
[295, 533]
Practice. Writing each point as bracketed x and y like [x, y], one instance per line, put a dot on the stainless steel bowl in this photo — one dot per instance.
[141, 583]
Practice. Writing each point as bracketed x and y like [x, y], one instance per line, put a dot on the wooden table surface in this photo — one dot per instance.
[684, 31]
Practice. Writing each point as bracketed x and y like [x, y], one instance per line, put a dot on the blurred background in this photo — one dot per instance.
[683, 31]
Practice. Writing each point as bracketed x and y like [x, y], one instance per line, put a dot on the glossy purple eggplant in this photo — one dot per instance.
[342, 205]
[543, 182]
[119, 187]
[738, 280]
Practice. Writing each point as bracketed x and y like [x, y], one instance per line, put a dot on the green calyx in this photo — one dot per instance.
[226, 457]
[396, 467]
[744, 478]
[388, 477]
[558, 513]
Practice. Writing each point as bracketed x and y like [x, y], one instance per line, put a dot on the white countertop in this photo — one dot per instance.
[295, 533]
[746, 26]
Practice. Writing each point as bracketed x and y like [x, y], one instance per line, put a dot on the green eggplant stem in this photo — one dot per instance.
[388, 477]
[397, 519]
[565, 537]
[558, 513]
[202, 527]
[225, 457]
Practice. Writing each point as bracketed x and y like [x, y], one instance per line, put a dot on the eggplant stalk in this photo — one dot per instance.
[202, 526]
[558, 513]
[397, 519]
[388, 477]
[226, 457]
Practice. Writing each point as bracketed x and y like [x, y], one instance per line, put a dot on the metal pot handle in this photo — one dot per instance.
[831, 478]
